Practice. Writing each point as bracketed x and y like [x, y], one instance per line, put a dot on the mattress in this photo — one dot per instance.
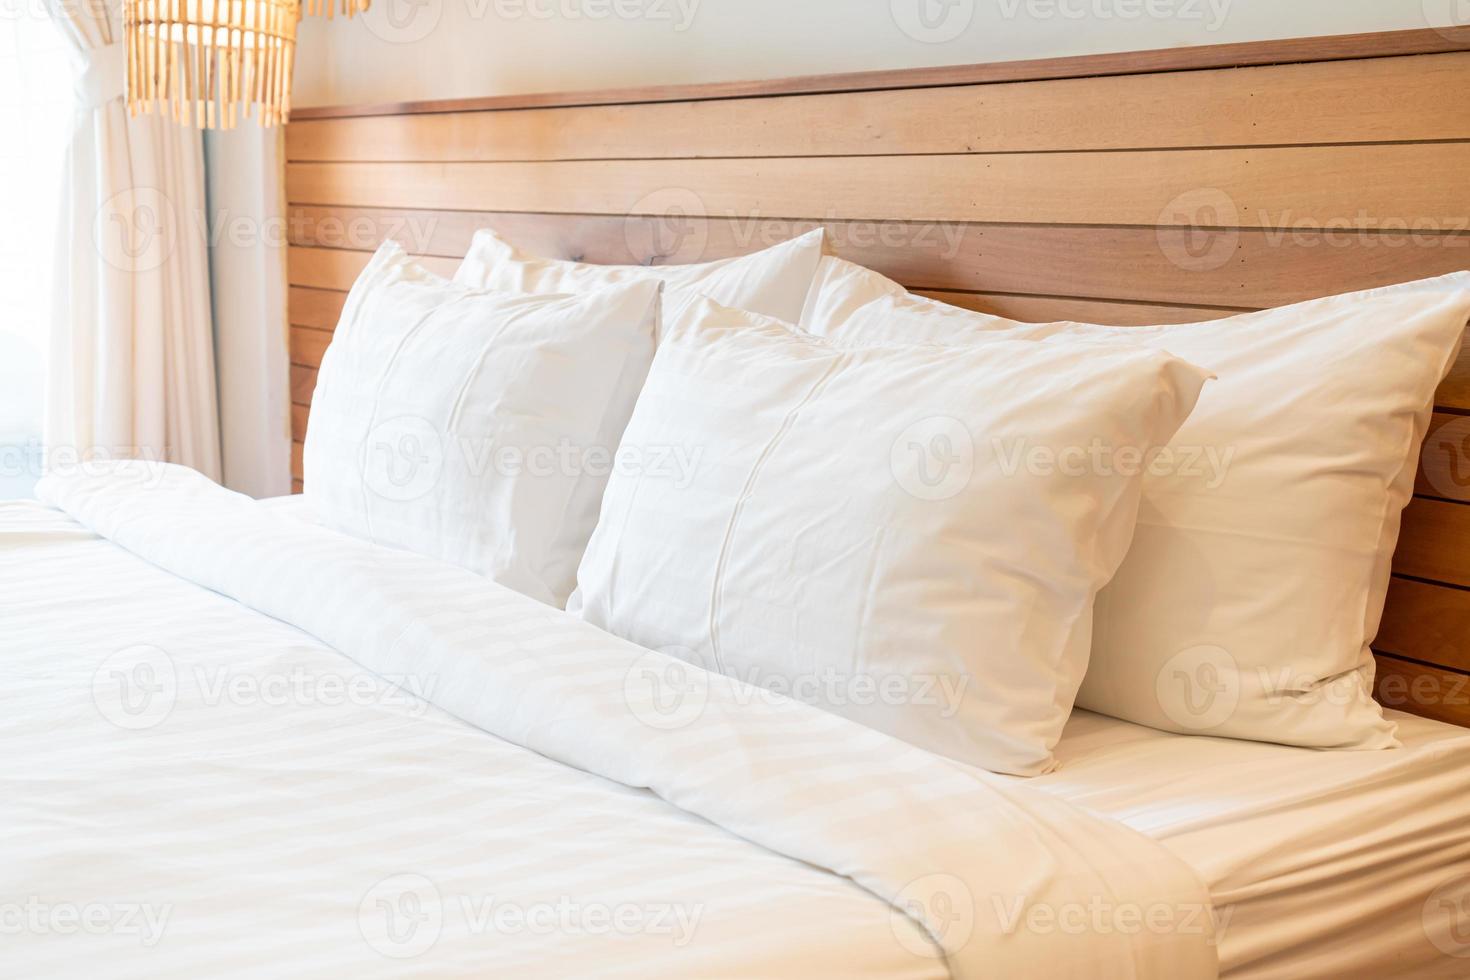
[1320, 863]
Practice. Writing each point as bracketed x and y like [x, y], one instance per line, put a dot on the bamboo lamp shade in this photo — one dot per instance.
[208, 62]
[346, 7]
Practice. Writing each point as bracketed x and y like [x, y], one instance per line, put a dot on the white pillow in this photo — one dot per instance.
[1259, 569]
[841, 290]
[858, 530]
[773, 282]
[474, 426]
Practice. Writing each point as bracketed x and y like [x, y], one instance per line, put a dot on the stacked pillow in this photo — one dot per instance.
[477, 422]
[926, 519]
[1261, 561]
[440, 412]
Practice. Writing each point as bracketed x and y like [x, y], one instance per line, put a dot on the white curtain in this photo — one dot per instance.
[131, 370]
[247, 264]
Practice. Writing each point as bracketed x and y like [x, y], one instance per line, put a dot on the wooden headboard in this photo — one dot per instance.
[1154, 187]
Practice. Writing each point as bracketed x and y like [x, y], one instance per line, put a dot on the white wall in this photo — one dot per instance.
[421, 49]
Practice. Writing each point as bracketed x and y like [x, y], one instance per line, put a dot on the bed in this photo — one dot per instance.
[241, 743]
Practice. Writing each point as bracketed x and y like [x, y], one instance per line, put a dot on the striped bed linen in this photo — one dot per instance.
[241, 745]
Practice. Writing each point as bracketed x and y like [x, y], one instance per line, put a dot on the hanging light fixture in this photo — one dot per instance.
[348, 7]
[207, 62]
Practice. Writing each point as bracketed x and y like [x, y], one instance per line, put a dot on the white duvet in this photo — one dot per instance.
[197, 782]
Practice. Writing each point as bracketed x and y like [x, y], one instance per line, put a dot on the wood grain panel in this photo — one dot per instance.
[325, 268]
[1426, 622]
[1435, 542]
[1381, 44]
[303, 383]
[1455, 391]
[308, 346]
[1171, 266]
[299, 416]
[1352, 187]
[1444, 463]
[316, 308]
[582, 238]
[1390, 100]
[1046, 309]
[1424, 690]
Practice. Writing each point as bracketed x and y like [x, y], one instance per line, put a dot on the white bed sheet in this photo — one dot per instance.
[1319, 862]
[316, 822]
[293, 505]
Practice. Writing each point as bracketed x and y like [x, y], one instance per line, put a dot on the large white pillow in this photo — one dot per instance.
[475, 426]
[1259, 569]
[773, 282]
[908, 536]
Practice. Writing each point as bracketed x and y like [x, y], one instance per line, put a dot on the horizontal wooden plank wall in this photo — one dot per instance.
[1153, 188]
[1394, 99]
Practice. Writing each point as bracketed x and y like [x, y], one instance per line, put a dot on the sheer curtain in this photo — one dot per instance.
[247, 261]
[35, 105]
[131, 368]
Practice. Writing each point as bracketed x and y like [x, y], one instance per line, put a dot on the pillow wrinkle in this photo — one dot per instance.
[723, 557]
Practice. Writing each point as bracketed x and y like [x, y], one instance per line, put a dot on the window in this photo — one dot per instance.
[35, 117]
